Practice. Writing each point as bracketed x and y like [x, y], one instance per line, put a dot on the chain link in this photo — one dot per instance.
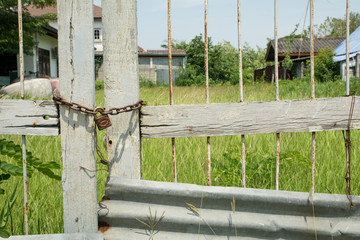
[112, 111]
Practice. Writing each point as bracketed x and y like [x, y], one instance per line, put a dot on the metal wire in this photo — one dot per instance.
[171, 87]
[21, 66]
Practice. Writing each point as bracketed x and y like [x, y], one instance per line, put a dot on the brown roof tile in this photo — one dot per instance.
[301, 46]
[35, 12]
[161, 52]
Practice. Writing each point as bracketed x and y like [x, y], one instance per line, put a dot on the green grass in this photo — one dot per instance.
[45, 195]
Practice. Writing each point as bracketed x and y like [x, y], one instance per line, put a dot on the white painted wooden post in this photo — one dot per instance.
[78, 142]
[121, 86]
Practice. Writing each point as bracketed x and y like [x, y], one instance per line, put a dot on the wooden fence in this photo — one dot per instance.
[78, 136]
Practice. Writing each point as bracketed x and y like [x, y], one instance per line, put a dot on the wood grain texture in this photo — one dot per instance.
[249, 118]
[78, 140]
[26, 117]
[121, 86]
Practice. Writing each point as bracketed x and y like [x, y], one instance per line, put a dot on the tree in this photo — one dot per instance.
[223, 62]
[9, 34]
[176, 45]
[336, 27]
[325, 67]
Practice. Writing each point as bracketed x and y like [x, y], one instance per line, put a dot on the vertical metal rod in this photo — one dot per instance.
[21, 65]
[243, 158]
[171, 87]
[243, 161]
[276, 51]
[277, 91]
[206, 53]
[277, 160]
[347, 47]
[312, 59]
[348, 140]
[207, 89]
[312, 49]
[240, 52]
[313, 152]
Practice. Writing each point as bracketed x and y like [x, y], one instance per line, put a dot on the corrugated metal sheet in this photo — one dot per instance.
[199, 212]
[354, 47]
[69, 236]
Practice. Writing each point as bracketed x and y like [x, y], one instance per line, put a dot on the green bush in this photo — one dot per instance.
[324, 66]
[355, 86]
[99, 85]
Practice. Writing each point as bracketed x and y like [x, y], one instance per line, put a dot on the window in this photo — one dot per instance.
[97, 35]
[44, 62]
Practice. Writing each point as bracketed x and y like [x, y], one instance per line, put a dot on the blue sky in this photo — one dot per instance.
[257, 19]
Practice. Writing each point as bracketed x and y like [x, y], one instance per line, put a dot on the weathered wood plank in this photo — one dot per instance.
[121, 86]
[249, 118]
[28, 117]
[78, 140]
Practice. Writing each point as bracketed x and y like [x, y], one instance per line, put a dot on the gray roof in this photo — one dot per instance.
[301, 46]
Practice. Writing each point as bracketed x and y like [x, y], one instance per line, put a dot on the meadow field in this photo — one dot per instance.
[45, 195]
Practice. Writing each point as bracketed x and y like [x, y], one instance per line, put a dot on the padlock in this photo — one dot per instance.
[102, 121]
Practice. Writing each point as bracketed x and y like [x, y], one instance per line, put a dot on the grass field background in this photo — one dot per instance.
[45, 195]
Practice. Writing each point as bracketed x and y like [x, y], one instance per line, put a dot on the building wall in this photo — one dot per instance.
[354, 65]
[50, 43]
[98, 44]
[156, 68]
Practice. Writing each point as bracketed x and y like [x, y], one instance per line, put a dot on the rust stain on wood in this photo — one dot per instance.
[103, 227]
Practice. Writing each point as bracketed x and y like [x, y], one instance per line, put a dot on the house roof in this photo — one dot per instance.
[354, 47]
[35, 12]
[300, 46]
[178, 52]
[159, 53]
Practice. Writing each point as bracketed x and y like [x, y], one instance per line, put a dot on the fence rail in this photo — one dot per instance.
[308, 115]
[29, 117]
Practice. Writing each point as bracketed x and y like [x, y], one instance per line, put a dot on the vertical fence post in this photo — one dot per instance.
[347, 47]
[277, 90]
[171, 87]
[312, 60]
[22, 86]
[122, 86]
[78, 141]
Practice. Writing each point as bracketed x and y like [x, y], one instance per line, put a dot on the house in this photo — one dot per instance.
[153, 64]
[354, 55]
[44, 58]
[299, 52]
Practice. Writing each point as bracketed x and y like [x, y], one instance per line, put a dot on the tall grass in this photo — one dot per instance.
[45, 195]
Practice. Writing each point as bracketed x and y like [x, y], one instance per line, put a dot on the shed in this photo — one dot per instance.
[154, 64]
[299, 52]
[354, 55]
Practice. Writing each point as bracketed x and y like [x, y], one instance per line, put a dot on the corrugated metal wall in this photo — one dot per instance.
[199, 212]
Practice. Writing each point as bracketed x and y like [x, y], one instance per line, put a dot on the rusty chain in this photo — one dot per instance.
[112, 111]
[100, 122]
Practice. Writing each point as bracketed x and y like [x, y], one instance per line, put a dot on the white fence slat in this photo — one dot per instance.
[29, 117]
[121, 85]
[78, 142]
[308, 115]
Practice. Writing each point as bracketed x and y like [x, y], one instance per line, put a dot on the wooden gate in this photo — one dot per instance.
[183, 211]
